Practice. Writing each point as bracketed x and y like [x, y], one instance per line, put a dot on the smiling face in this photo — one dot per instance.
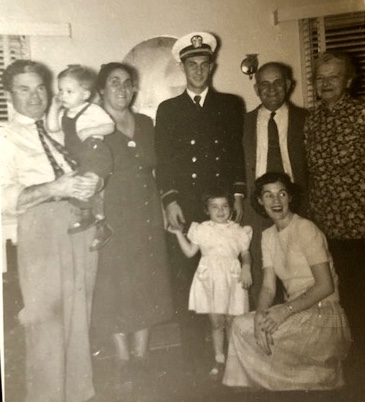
[28, 95]
[218, 209]
[331, 82]
[272, 87]
[71, 93]
[197, 70]
[275, 200]
[118, 91]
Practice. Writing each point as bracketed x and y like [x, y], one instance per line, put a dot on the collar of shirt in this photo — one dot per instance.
[203, 95]
[23, 134]
[73, 111]
[337, 107]
[282, 121]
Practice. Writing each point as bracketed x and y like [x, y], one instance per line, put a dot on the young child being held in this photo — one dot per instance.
[84, 125]
[220, 283]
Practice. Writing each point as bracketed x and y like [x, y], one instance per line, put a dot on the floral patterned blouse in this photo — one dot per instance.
[335, 146]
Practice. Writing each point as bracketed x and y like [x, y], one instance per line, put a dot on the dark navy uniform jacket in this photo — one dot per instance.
[198, 149]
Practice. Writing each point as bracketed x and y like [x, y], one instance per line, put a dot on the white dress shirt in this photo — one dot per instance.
[203, 95]
[282, 121]
[23, 160]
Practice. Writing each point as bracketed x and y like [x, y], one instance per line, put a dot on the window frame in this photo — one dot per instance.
[332, 32]
[12, 47]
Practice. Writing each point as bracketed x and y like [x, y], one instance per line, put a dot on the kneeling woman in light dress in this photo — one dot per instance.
[297, 345]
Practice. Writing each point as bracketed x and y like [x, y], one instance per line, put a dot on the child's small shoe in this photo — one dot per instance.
[216, 373]
[103, 234]
[85, 221]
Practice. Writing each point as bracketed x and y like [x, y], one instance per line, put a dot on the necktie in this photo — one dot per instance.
[274, 160]
[58, 171]
[197, 101]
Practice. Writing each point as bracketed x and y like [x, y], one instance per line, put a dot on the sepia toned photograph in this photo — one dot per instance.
[182, 200]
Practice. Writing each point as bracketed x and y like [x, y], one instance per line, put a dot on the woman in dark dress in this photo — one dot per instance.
[132, 291]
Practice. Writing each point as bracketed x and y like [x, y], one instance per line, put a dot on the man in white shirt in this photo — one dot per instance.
[56, 270]
[273, 140]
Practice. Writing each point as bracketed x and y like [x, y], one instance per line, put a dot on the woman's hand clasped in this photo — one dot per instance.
[273, 317]
[263, 339]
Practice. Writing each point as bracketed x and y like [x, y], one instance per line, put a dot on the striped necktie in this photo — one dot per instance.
[43, 135]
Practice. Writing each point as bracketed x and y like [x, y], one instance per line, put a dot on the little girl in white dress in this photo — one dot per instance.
[220, 283]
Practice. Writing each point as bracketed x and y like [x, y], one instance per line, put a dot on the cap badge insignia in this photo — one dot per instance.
[196, 41]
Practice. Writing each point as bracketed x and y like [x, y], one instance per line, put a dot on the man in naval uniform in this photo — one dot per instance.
[199, 146]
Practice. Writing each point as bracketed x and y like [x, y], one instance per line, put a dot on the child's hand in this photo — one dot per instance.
[56, 102]
[245, 277]
[174, 230]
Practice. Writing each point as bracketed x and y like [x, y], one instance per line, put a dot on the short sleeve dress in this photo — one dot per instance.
[309, 346]
[215, 287]
[132, 289]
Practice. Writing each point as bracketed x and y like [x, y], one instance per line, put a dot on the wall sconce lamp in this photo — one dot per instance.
[250, 65]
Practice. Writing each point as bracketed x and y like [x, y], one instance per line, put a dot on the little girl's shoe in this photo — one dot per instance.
[216, 373]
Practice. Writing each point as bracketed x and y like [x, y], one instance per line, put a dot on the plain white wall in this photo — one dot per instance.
[106, 30]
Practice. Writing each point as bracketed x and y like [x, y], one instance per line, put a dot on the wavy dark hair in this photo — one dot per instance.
[106, 69]
[273, 177]
[217, 192]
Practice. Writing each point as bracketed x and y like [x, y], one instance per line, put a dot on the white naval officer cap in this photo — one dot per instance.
[194, 44]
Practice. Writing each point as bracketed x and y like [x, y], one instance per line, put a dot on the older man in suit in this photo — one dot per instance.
[272, 141]
[198, 145]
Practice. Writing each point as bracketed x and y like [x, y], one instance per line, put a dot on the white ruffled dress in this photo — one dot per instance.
[215, 287]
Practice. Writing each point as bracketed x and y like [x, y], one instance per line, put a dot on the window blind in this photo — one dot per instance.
[342, 32]
[12, 47]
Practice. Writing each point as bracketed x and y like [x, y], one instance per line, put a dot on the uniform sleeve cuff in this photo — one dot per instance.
[168, 197]
[240, 188]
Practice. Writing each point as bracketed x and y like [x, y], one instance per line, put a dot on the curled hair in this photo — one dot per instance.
[106, 69]
[85, 76]
[22, 67]
[217, 192]
[341, 57]
[292, 189]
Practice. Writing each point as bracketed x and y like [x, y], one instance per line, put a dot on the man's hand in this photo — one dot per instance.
[238, 207]
[175, 216]
[63, 187]
[86, 186]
